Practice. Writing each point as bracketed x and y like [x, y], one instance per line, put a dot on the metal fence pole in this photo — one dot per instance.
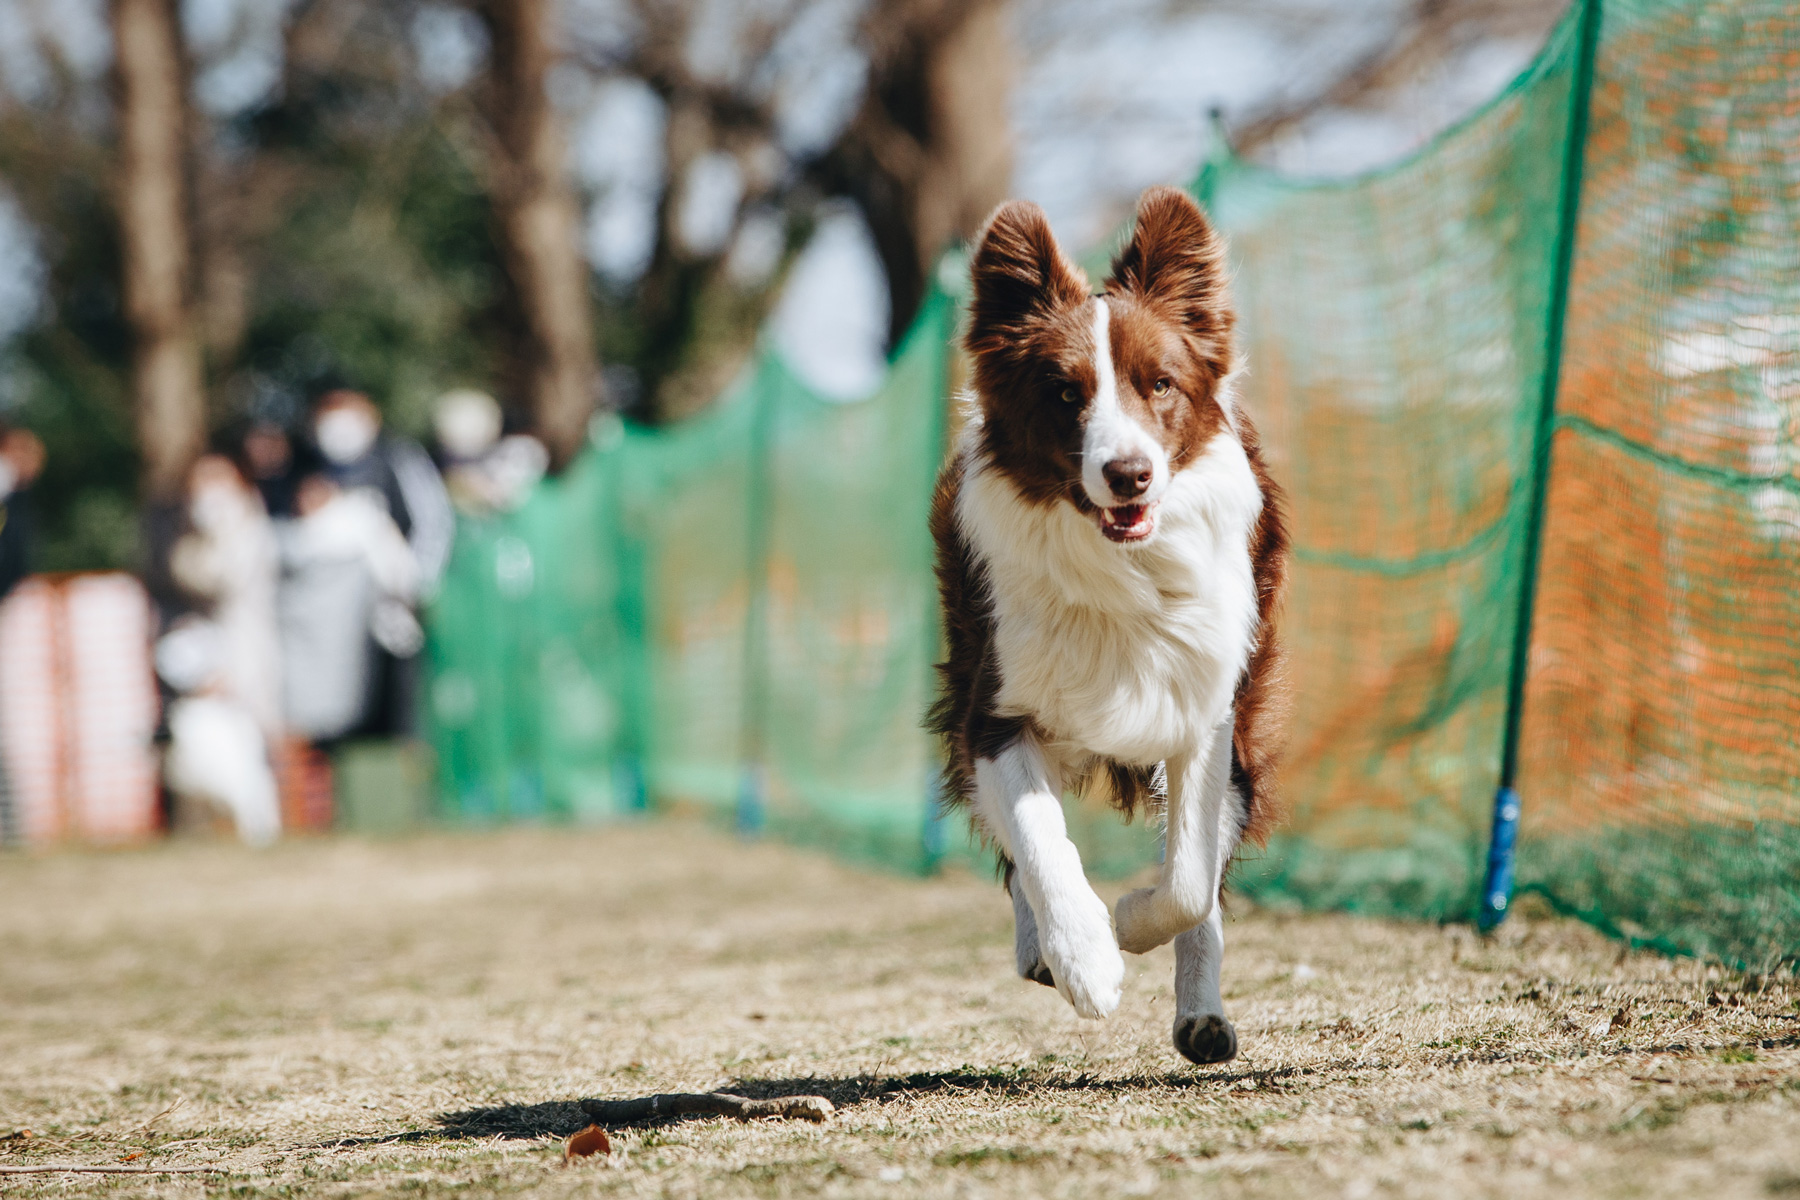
[1496, 889]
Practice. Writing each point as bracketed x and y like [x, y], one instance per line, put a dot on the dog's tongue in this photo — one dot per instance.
[1125, 515]
[1126, 523]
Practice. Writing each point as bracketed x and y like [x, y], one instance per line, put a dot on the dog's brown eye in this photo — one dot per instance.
[1071, 395]
[1161, 388]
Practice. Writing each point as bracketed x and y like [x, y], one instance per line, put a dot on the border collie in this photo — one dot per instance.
[1110, 555]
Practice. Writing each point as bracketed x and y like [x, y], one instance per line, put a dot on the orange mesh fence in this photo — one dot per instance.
[1661, 756]
[1396, 333]
[1424, 362]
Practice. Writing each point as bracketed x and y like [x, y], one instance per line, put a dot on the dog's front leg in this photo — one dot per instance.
[1026, 952]
[1206, 819]
[1018, 798]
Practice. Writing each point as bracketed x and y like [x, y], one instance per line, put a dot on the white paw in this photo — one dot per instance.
[1141, 921]
[1078, 947]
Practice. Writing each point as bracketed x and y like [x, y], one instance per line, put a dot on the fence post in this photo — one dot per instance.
[753, 783]
[1496, 889]
[1218, 152]
[631, 582]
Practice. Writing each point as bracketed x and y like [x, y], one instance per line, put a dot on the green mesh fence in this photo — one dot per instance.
[1535, 396]
[735, 615]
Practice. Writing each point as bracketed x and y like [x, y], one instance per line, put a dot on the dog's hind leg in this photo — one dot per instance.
[1206, 821]
[1018, 798]
[1026, 954]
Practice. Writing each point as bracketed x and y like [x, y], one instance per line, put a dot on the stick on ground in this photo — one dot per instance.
[717, 1104]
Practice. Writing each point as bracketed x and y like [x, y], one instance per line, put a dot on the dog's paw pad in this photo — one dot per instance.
[1039, 973]
[1208, 1039]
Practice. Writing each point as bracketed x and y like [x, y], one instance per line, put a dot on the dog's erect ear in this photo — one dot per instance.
[1177, 261]
[1018, 273]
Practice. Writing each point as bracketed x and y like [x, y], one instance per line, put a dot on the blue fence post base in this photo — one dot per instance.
[631, 793]
[752, 801]
[1496, 889]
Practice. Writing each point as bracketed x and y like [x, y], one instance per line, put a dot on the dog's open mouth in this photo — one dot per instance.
[1128, 522]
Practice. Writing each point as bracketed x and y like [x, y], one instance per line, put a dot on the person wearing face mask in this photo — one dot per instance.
[348, 588]
[484, 471]
[359, 457]
[225, 722]
[230, 562]
[358, 453]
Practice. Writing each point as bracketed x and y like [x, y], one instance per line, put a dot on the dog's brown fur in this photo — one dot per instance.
[1030, 338]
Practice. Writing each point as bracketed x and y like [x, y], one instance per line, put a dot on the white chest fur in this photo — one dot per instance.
[1128, 652]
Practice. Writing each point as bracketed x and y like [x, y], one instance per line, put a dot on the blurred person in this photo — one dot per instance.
[217, 761]
[21, 461]
[229, 560]
[360, 456]
[483, 471]
[265, 453]
[358, 453]
[349, 585]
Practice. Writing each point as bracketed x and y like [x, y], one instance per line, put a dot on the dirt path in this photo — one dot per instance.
[338, 1018]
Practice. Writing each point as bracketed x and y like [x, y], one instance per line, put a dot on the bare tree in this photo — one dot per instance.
[539, 223]
[926, 156]
[929, 153]
[1430, 36]
[169, 401]
[683, 287]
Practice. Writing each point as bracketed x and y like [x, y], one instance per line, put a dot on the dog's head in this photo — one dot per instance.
[1098, 401]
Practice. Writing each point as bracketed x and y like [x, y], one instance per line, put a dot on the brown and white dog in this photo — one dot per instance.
[1110, 555]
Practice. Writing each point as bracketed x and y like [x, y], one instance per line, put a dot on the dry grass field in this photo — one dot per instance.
[338, 1018]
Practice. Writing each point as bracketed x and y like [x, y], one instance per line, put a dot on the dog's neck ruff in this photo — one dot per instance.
[1130, 653]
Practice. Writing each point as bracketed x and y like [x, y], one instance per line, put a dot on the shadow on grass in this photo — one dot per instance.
[508, 1122]
[561, 1118]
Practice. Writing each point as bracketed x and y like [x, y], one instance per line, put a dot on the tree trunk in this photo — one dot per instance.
[153, 224]
[929, 155]
[969, 166]
[540, 229]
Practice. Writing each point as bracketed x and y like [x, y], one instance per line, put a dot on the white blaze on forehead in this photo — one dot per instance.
[1110, 433]
[1106, 391]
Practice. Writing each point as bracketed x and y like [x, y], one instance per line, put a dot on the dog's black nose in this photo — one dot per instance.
[1128, 477]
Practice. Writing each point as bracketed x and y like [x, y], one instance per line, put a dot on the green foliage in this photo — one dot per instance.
[67, 378]
[381, 272]
[354, 209]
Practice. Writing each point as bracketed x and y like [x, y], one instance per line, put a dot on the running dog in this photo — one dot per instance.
[1110, 558]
